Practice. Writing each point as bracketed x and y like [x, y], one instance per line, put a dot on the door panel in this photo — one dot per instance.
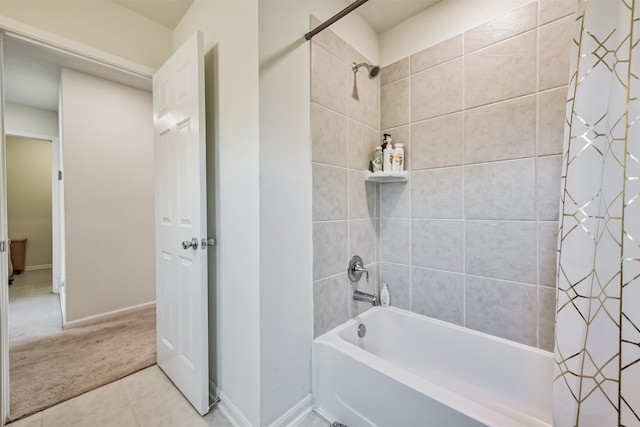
[181, 279]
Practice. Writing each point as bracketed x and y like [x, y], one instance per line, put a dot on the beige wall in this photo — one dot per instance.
[231, 35]
[29, 196]
[107, 138]
[102, 25]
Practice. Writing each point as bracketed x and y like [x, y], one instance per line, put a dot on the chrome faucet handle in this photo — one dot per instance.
[361, 269]
[356, 269]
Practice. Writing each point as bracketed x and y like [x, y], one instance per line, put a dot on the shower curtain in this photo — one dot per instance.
[597, 353]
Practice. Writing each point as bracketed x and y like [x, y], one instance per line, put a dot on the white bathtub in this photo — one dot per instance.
[410, 370]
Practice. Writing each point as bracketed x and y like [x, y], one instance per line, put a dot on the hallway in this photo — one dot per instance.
[34, 310]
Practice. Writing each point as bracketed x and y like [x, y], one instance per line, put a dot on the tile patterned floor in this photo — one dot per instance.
[144, 399]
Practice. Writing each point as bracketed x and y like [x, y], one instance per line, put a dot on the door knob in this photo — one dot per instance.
[193, 243]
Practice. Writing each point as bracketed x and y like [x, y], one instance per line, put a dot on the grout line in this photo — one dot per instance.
[464, 199]
[409, 185]
[537, 172]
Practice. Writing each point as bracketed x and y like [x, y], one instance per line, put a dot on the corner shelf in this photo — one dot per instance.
[383, 177]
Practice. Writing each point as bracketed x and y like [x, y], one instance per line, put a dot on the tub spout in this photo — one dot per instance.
[362, 296]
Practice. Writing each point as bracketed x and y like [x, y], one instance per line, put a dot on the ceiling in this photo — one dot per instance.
[380, 14]
[164, 12]
[32, 73]
[385, 14]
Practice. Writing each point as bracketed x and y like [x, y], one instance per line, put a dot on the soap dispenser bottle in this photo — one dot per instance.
[385, 299]
[387, 154]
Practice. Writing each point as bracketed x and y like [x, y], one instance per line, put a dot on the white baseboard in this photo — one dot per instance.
[38, 267]
[90, 320]
[232, 413]
[213, 391]
[296, 414]
[289, 419]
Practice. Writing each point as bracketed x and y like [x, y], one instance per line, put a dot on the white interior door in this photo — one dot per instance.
[181, 273]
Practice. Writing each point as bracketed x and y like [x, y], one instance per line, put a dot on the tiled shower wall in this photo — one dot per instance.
[471, 238]
[345, 115]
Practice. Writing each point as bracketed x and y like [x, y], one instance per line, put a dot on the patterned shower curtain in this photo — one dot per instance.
[597, 353]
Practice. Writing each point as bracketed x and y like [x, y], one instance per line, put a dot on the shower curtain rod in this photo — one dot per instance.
[347, 10]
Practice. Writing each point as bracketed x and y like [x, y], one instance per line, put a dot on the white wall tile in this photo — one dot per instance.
[436, 55]
[330, 241]
[504, 309]
[501, 28]
[394, 240]
[438, 294]
[398, 279]
[502, 250]
[549, 172]
[438, 244]
[437, 193]
[508, 68]
[501, 131]
[395, 98]
[437, 142]
[330, 193]
[437, 91]
[501, 190]
[328, 133]
[330, 303]
[396, 71]
[552, 105]
[328, 80]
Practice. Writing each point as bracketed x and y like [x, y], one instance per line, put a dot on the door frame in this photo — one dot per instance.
[4, 264]
[110, 66]
[57, 213]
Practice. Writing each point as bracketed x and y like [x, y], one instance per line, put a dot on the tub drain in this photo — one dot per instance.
[337, 424]
[362, 331]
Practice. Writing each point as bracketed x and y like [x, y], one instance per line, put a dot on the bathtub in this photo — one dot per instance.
[410, 370]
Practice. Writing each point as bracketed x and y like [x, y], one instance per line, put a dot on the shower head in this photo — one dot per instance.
[374, 70]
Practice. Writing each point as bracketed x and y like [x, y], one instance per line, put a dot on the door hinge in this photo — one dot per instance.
[3, 246]
[59, 175]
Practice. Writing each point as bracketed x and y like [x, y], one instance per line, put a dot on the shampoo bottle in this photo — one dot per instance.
[398, 158]
[385, 299]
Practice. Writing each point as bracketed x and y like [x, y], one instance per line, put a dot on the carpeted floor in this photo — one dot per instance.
[34, 311]
[48, 370]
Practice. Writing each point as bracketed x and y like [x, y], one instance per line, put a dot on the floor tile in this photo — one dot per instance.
[166, 410]
[146, 398]
[145, 383]
[34, 420]
[313, 420]
[87, 408]
[123, 418]
[215, 418]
